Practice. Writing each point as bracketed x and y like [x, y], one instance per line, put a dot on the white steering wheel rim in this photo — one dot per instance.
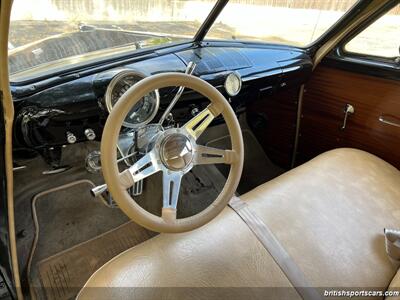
[117, 182]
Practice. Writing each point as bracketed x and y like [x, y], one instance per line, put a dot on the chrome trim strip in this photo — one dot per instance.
[385, 121]
[298, 121]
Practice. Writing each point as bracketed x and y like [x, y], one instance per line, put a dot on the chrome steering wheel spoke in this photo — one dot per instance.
[144, 167]
[171, 187]
[196, 126]
[204, 155]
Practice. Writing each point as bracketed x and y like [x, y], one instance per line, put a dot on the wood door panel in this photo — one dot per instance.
[325, 97]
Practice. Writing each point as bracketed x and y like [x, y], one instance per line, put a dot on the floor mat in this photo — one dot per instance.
[30, 181]
[67, 216]
[257, 167]
[63, 274]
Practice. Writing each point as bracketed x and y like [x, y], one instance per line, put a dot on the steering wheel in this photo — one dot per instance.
[175, 152]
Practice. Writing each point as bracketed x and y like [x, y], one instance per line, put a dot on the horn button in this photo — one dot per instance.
[176, 152]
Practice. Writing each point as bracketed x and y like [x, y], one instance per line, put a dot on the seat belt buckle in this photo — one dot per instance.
[392, 243]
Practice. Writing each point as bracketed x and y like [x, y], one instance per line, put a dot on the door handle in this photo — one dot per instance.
[348, 110]
[390, 120]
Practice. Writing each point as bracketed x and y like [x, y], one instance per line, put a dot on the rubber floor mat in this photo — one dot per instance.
[64, 274]
[67, 216]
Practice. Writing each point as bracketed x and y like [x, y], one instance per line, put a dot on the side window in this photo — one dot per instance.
[382, 38]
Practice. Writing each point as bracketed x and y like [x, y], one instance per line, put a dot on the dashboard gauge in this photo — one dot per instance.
[144, 111]
[233, 84]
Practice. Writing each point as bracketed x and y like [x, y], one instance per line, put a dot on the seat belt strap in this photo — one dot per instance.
[275, 249]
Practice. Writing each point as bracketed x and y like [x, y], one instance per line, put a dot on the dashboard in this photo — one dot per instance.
[73, 108]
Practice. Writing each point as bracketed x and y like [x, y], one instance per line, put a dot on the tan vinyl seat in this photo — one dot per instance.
[328, 214]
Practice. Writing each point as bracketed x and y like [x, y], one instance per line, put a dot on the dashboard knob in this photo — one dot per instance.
[90, 134]
[71, 138]
[195, 111]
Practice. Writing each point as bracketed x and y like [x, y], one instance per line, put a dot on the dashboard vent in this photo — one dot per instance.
[214, 60]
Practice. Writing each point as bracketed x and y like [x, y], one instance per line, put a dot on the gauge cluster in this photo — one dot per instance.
[142, 112]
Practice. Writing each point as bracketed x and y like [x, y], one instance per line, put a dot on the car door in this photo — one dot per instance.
[5, 255]
[353, 96]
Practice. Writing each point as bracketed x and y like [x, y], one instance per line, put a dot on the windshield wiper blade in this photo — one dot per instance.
[89, 27]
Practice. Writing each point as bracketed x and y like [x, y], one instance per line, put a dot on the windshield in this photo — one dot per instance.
[50, 34]
[296, 23]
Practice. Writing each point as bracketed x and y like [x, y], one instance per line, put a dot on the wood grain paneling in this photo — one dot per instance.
[273, 120]
[325, 97]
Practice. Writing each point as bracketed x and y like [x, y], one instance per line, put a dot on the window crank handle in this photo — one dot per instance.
[348, 110]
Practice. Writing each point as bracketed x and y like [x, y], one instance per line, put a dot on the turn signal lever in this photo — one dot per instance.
[98, 190]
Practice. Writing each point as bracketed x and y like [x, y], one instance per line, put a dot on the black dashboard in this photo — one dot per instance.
[64, 110]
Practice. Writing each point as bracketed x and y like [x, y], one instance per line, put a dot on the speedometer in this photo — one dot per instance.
[144, 111]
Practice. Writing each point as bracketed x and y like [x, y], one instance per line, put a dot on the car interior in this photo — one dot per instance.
[171, 157]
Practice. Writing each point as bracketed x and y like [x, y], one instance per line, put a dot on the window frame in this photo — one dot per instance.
[373, 60]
